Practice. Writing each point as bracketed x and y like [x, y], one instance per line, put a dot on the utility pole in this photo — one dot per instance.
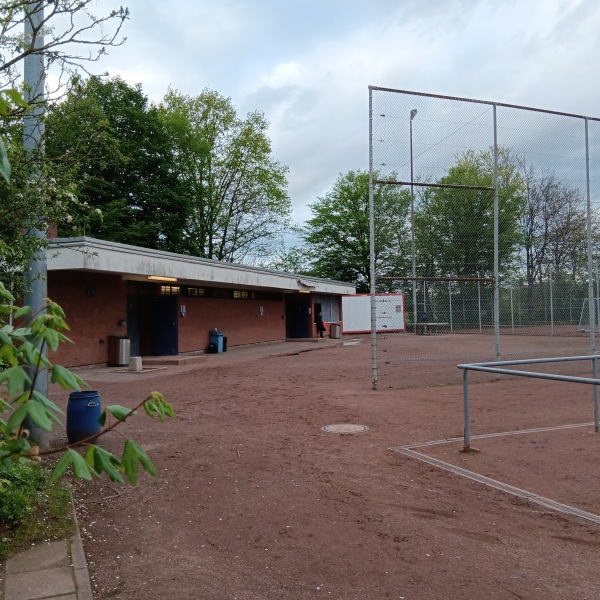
[36, 287]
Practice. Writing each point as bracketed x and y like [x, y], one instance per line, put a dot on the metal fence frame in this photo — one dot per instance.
[498, 368]
[412, 183]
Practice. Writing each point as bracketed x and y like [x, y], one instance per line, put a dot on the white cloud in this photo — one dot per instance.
[307, 65]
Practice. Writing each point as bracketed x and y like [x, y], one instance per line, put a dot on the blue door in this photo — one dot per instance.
[164, 326]
[298, 317]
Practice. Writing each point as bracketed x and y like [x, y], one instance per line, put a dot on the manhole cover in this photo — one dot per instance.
[344, 428]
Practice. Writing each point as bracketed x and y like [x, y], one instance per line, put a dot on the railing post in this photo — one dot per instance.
[595, 376]
[467, 445]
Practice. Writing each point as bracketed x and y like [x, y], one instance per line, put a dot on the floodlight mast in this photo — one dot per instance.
[413, 114]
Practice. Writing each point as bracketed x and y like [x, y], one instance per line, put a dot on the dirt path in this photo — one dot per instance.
[255, 501]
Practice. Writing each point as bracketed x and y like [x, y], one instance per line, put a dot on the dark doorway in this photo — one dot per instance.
[318, 309]
[139, 316]
[298, 316]
[164, 326]
[133, 324]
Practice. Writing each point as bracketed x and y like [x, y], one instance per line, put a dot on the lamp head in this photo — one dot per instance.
[413, 112]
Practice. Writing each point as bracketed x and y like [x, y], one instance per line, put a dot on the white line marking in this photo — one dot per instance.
[509, 489]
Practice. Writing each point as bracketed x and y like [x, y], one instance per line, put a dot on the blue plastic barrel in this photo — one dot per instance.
[83, 416]
[215, 339]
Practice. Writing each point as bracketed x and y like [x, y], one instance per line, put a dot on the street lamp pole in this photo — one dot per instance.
[413, 113]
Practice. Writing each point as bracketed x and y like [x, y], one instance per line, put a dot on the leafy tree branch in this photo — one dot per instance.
[21, 353]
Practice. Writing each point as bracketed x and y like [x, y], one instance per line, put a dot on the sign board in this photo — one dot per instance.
[389, 311]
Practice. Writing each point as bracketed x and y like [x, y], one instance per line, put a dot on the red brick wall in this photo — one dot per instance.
[94, 304]
[239, 320]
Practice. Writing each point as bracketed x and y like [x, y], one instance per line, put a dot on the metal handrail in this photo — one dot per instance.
[496, 367]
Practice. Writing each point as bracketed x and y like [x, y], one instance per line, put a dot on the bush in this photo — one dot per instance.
[31, 509]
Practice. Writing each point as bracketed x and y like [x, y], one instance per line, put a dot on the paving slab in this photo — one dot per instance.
[49, 571]
[40, 583]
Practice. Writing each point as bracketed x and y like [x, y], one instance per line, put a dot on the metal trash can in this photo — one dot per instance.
[215, 340]
[334, 331]
[119, 349]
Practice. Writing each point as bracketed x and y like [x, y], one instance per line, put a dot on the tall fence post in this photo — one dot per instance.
[372, 251]
[591, 308]
[496, 239]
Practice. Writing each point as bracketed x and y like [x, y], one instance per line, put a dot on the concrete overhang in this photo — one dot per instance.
[137, 264]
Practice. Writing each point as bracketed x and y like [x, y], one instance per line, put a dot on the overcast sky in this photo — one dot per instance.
[307, 64]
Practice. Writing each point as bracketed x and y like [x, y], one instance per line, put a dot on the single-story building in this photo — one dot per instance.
[166, 303]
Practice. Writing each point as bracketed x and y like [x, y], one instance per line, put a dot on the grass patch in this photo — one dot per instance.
[31, 510]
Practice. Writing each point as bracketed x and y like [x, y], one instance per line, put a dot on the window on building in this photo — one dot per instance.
[196, 292]
[241, 294]
[169, 290]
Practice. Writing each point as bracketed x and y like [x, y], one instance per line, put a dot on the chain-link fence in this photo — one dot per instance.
[501, 214]
[548, 307]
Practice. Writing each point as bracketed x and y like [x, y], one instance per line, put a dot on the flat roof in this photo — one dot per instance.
[138, 264]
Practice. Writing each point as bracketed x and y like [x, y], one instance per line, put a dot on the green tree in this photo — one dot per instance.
[234, 191]
[454, 228]
[337, 236]
[32, 201]
[294, 259]
[117, 149]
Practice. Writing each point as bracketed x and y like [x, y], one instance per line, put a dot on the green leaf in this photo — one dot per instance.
[15, 97]
[155, 406]
[119, 412]
[15, 420]
[73, 459]
[22, 312]
[52, 338]
[5, 338]
[5, 170]
[38, 415]
[21, 398]
[44, 401]
[9, 355]
[14, 447]
[16, 379]
[5, 294]
[104, 462]
[132, 453]
[32, 355]
[36, 411]
[67, 379]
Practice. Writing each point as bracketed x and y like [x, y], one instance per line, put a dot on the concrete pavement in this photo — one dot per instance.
[49, 571]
